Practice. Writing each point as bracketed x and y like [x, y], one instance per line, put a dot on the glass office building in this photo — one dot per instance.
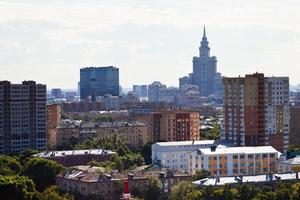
[98, 81]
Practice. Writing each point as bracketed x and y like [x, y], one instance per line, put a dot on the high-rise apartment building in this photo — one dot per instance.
[175, 125]
[204, 68]
[256, 111]
[98, 81]
[23, 121]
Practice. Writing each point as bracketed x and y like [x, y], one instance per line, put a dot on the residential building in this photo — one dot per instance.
[289, 165]
[256, 111]
[135, 133]
[98, 81]
[204, 68]
[175, 155]
[259, 180]
[53, 120]
[23, 119]
[76, 157]
[294, 137]
[86, 182]
[218, 86]
[175, 125]
[230, 161]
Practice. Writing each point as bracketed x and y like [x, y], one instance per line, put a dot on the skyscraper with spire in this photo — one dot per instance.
[204, 68]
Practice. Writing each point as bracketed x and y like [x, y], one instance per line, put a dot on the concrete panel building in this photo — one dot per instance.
[23, 119]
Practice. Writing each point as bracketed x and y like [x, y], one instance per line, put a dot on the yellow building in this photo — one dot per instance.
[230, 161]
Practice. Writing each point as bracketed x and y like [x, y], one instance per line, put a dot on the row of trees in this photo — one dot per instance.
[282, 191]
[24, 177]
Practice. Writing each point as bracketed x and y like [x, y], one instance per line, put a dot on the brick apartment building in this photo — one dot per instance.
[175, 125]
[294, 137]
[256, 111]
[53, 120]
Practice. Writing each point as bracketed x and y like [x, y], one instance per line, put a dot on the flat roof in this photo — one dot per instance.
[195, 142]
[239, 150]
[292, 161]
[48, 154]
[186, 143]
[260, 178]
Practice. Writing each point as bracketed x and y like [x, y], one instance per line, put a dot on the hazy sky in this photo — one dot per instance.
[50, 40]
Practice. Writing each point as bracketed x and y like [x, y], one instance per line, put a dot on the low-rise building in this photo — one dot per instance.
[110, 185]
[135, 133]
[230, 161]
[76, 157]
[175, 155]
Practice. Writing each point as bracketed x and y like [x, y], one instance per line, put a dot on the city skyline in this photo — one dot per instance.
[54, 40]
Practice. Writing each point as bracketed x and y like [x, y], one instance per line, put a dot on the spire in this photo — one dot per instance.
[204, 33]
[204, 48]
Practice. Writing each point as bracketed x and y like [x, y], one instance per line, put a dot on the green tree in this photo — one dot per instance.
[9, 165]
[43, 172]
[182, 190]
[200, 174]
[16, 188]
[153, 189]
[53, 193]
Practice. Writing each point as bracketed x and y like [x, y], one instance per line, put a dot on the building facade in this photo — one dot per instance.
[23, 119]
[294, 137]
[230, 161]
[204, 68]
[98, 81]
[256, 111]
[176, 125]
[53, 120]
[135, 133]
[109, 186]
[175, 155]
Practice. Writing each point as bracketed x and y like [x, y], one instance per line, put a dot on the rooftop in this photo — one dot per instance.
[292, 161]
[261, 178]
[239, 150]
[47, 154]
[195, 142]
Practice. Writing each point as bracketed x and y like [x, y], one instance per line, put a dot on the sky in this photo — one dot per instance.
[50, 40]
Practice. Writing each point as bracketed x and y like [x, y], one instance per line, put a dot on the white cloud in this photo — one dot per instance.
[148, 39]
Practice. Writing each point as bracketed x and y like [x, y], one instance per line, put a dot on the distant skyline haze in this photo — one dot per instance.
[49, 41]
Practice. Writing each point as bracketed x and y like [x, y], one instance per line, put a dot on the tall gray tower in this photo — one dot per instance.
[204, 68]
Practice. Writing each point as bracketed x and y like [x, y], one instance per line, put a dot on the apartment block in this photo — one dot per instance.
[135, 133]
[175, 125]
[230, 161]
[23, 121]
[256, 111]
